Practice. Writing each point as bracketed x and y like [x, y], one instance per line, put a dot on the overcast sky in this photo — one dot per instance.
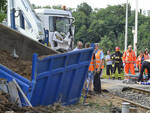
[143, 4]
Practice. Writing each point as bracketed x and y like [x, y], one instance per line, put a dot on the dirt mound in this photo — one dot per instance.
[21, 67]
[6, 105]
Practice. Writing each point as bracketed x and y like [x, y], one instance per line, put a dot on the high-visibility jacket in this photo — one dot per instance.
[91, 66]
[98, 60]
[129, 56]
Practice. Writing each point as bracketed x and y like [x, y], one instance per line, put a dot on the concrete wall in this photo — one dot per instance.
[25, 47]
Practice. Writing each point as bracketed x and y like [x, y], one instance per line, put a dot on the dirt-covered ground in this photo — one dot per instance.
[19, 66]
[104, 103]
[96, 104]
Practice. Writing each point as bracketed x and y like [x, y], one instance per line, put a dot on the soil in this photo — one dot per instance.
[104, 103]
[96, 104]
[19, 66]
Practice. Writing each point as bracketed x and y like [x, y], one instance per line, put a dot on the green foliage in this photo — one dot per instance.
[106, 43]
[106, 26]
[3, 6]
[85, 8]
[2, 17]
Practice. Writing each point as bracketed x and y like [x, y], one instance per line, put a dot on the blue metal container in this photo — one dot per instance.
[58, 78]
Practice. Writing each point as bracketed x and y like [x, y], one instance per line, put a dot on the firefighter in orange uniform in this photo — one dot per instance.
[129, 59]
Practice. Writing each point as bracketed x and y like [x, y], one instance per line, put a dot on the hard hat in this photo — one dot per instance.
[117, 48]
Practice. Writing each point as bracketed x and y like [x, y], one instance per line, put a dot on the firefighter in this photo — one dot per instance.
[129, 59]
[145, 65]
[117, 58]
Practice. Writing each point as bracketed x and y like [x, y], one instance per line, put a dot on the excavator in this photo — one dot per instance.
[52, 27]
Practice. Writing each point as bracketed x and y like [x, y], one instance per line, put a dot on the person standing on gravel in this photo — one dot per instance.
[129, 59]
[99, 59]
[108, 64]
[117, 57]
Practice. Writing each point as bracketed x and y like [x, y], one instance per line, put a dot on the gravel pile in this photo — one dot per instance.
[143, 99]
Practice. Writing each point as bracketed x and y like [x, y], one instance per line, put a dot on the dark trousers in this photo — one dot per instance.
[109, 69]
[145, 65]
[117, 65]
[97, 82]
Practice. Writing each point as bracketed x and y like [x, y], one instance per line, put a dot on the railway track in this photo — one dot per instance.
[136, 96]
[139, 90]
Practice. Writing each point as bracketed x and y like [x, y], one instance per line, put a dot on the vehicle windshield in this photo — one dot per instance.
[62, 24]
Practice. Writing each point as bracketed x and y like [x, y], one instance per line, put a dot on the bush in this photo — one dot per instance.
[2, 16]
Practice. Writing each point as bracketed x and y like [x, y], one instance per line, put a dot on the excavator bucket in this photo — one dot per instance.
[11, 40]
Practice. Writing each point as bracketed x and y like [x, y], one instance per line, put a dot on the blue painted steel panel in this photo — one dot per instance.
[24, 83]
[60, 78]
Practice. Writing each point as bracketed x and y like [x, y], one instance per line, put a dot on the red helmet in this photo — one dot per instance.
[117, 48]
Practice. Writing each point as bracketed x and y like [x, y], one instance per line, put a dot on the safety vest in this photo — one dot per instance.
[129, 56]
[98, 60]
[91, 66]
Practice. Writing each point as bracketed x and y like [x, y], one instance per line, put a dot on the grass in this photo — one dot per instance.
[105, 76]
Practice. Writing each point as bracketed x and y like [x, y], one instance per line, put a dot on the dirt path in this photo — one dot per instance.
[19, 66]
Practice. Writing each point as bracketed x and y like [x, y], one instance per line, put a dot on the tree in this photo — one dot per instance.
[3, 6]
[106, 44]
[84, 7]
[82, 34]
